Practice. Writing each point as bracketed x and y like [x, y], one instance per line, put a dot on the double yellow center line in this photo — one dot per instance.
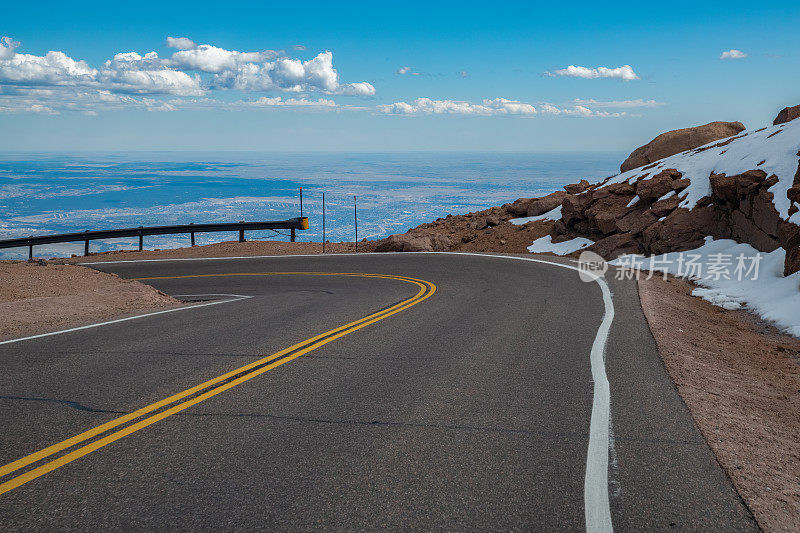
[176, 403]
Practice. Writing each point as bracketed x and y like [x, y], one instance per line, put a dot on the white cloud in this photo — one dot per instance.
[403, 70]
[618, 103]
[580, 111]
[208, 58]
[277, 101]
[54, 68]
[181, 43]
[489, 107]
[463, 73]
[361, 88]
[733, 54]
[291, 75]
[191, 71]
[298, 47]
[625, 72]
[7, 47]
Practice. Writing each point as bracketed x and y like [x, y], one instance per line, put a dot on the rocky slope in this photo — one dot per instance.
[741, 184]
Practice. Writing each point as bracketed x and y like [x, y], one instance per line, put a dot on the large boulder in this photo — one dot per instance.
[786, 114]
[540, 206]
[677, 141]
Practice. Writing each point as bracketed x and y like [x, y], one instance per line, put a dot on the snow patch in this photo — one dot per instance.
[770, 295]
[546, 244]
[553, 214]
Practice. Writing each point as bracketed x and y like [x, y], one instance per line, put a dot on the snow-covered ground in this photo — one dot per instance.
[733, 276]
[553, 214]
[546, 244]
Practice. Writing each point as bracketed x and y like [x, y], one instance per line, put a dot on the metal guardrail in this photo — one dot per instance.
[292, 224]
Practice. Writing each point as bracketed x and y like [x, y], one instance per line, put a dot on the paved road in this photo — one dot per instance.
[467, 408]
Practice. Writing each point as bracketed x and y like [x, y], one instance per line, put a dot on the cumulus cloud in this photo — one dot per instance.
[625, 72]
[278, 101]
[54, 68]
[733, 54]
[619, 103]
[193, 70]
[181, 43]
[291, 75]
[403, 70]
[579, 111]
[7, 47]
[208, 58]
[489, 107]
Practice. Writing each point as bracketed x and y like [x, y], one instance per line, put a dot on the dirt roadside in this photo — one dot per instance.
[37, 298]
[740, 378]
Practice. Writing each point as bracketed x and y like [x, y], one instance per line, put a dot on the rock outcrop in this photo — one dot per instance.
[677, 141]
[652, 210]
[786, 114]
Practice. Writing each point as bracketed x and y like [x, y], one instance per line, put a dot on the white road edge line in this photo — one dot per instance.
[236, 299]
[597, 510]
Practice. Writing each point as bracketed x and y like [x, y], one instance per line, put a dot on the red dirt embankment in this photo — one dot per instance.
[38, 297]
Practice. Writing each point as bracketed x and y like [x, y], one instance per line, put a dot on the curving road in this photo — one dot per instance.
[441, 391]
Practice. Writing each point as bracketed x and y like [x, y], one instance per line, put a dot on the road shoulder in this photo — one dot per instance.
[740, 379]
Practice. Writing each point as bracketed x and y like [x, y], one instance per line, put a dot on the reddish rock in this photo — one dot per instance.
[676, 141]
[764, 215]
[492, 221]
[572, 209]
[789, 235]
[616, 245]
[747, 182]
[786, 114]
[540, 206]
[577, 188]
[792, 262]
[655, 187]
[680, 184]
[724, 187]
[664, 207]
[606, 222]
[519, 207]
[744, 230]
[637, 221]
[684, 230]
[623, 189]
[414, 243]
[793, 194]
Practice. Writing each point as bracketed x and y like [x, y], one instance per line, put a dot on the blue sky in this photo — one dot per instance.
[399, 76]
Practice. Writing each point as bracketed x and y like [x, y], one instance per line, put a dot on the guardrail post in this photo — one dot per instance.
[30, 251]
[192, 233]
[141, 239]
[241, 232]
[292, 235]
[86, 247]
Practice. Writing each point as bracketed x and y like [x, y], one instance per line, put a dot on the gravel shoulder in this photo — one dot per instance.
[40, 297]
[740, 378]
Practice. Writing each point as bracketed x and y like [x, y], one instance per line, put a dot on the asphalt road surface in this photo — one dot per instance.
[464, 402]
